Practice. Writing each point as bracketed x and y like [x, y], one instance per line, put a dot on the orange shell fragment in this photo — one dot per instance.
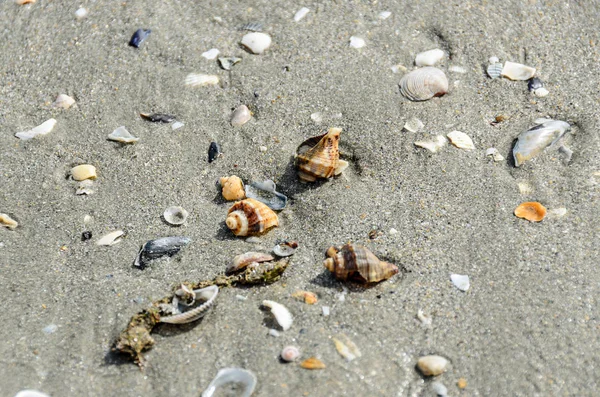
[312, 363]
[531, 210]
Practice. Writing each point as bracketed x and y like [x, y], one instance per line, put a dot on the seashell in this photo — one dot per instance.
[534, 83]
[266, 194]
[494, 59]
[184, 296]
[176, 125]
[457, 69]
[227, 62]
[460, 281]
[423, 84]
[250, 217]
[425, 319]
[252, 27]
[325, 310]
[63, 101]
[310, 298]
[214, 151]
[243, 377]
[413, 125]
[122, 135]
[435, 146]
[319, 157]
[274, 333]
[398, 68]
[22, 2]
[175, 215]
[138, 37]
[533, 141]
[357, 263]
[461, 140]
[517, 71]
[384, 15]
[301, 14]
[429, 58]
[531, 210]
[85, 187]
[285, 248]
[243, 260]
[211, 54]
[241, 115]
[290, 353]
[83, 172]
[158, 248]
[494, 70]
[158, 117]
[111, 238]
[439, 389]
[233, 188]
[41, 129]
[193, 313]
[256, 42]
[281, 313]
[201, 80]
[312, 363]
[81, 13]
[8, 222]
[346, 348]
[566, 153]
[30, 392]
[541, 92]
[494, 153]
[357, 42]
[432, 365]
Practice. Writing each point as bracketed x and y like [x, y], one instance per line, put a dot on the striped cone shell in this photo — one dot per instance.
[423, 84]
[319, 156]
[250, 217]
[357, 263]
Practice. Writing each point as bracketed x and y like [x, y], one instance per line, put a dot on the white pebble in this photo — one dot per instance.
[541, 92]
[439, 389]
[429, 58]
[81, 13]
[301, 14]
[31, 393]
[494, 60]
[281, 313]
[460, 281]
[241, 297]
[425, 319]
[50, 329]
[256, 42]
[211, 54]
[176, 125]
[384, 15]
[41, 129]
[432, 365]
[357, 42]
[263, 148]
[274, 333]
[325, 311]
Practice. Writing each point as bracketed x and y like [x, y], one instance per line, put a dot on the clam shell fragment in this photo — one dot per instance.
[433, 146]
[63, 101]
[111, 238]
[266, 194]
[227, 62]
[241, 115]
[139, 37]
[190, 312]
[122, 135]
[201, 80]
[285, 248]
[301, 14]
[256, 42]
[158, 248]
[243, 377]
[243, 260]
[357, 42]
[281, 313]
[517, 71]
[175, 215]
[461, 140]
[8, 222]
[83, 172]
[41, 129]
[423, 84]
[533, 141]
[158, 117]
[429, 58]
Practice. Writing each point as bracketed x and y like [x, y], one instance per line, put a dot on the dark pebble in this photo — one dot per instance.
[214, 150]
[138, 37]
[85, 236]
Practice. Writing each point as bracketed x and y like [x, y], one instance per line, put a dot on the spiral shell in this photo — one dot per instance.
[319, 157]
[423, 84]
[357, 263]
[250, 217]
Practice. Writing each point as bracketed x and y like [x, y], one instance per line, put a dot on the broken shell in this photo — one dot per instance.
[541, 92]
[357, 263]
[281, 313]
[211, 54]
[357, 42]
[414, 125]
[243, 260]
[227, 62]
[460, 281]
[557, 212]
[494, 153]
[312, 363]
[534, 83]
[201, 80]
[8, 222]
[243, 377]
[252, 27]
[301, 14]
[241, 115]
[531, 210]
[63, 101]
[214, 151]
[138, 37]
[29, 392]
[154, 249]
[310, 298]
[285, 248]
[266, 194]
[158, 117]
[346, 348]
[533, 141]
[457, 69]
[184, 296]
[122, 135]
[192, 313]
[435, 146]
[461, 140]
[256, 42]
[41, 129]
[290, 353]
[233, 188]
[319, 157]
[85, 187]
[429, 58]
[250, 217]
[432, 365]
[111, 238]
[175, 215]
[176, 125]
[517, 71]
[83, 172]
[423, 84]
[494, 70]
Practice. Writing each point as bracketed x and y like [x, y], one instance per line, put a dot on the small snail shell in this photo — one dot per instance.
[233, 188]
[423, 84]
[290, 353]
[357, 263]
[319, 157]
[250, 217]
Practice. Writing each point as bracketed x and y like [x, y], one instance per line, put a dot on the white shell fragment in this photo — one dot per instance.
[281, 313]
[241, 115]
[8, 222]
[384, 15]
[457, 69]
[211, 54]
[301, 14]
[525, 188]
[256, 42]
[247, 259]
[533, 141]
[357, 42]
[63, 101]
[557, 212]
[175, 215]
[496, 156]
[31, 393]
[81, 13]
[346, 347]
[83, 172]
[326, 311]
[243, 377]
[541, 92]
[285, 248]
[433, 146]
[201, 80]
[429, 58]
[423, 84]
[85, 187]
[439, 389]
[494, 59]
[460, 281]
[461, 140]
[111, 238]
[184, 312]
[176, 125]
[517, 71]
[425, 319]
[432, 365]
[494, 70]
[122, 135]
[41, 129]
[414, 125]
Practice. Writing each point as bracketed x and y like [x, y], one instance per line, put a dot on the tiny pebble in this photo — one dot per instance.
[211, 54]
[432, 365]
[301, 14]
[274, 332]
[494, 60]
[263, 148]
[81, 13]
[325, 311]
[439, 389]
[50, 329]
[460, 281]
[86, 235]
[177, 125]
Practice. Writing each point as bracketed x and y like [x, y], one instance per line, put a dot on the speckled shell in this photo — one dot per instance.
[357, 263]
[533, 141]
[319, 157]
[250, 217]
[423, 84]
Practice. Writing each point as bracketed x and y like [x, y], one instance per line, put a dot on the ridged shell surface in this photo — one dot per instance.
[494, 70]
[354, 262]
[533, 141]
[423, 84]
[322, 159]
[250, 217]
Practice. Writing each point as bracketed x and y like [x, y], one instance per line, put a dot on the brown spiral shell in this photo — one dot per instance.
[319, 157]
[357, 263]
[423, 84]
[250, 217]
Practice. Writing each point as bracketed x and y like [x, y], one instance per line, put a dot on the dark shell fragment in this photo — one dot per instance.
[252, 27]
[138, 37]
[214, 150]
[158, 117]
[534, 83]
[158, 248]
[227, 62]
[86, 235]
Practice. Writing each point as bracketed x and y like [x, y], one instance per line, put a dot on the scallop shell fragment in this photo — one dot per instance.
[256, 42]
[83, 172]
[41, 129]
[494, 70]
[460, 281]
[111, 238]
[432, 365]
[423, 84]
[246, 379]
[533, 141]
[158, 248]
[517, 71]
[241, 115]
[201, 80]
[183, 313]
[8, 222]
[122, 135]
[175, 215]
[63, 101]
[250, 217]
[461, 140]
[531, 210]
[429, 58]
[281, 313]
